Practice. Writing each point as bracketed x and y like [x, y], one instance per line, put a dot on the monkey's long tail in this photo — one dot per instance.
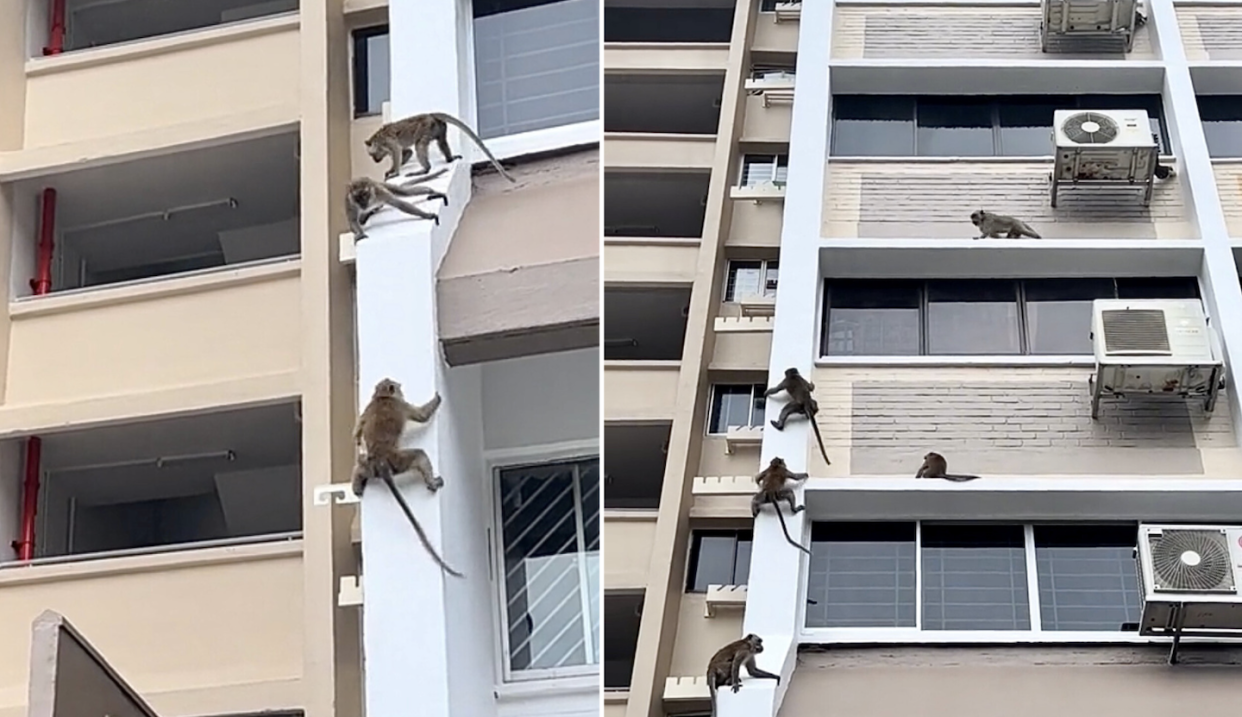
[466, 128]
[711, 689]
[815, 427]
[788, 537]
[405, 507]
[959, 478]
[405, 186]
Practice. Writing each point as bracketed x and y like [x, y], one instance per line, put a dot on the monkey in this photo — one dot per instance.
[383, 469]
[419, 131]
[1139, 19]
[934, 466]
[992, 226]
[773, 488]
[365, 197]
[800, 401]
[1164, 171]
[725, 667]
[378, 430]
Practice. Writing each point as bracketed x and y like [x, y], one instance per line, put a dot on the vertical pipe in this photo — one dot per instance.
[56, 33]
[30, 499]
[42, 284]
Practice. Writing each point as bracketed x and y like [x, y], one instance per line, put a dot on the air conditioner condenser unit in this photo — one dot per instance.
[1103, 147]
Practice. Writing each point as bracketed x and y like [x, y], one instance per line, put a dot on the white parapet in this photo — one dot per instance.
[723, 485]
[743, 437]
[724, 596]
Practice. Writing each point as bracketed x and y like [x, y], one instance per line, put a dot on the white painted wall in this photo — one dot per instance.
[12, 462]
[541, 400]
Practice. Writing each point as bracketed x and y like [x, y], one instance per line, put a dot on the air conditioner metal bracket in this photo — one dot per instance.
[1214, 384]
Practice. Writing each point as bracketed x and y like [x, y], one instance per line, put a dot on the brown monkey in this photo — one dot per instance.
[365, 197]
[379, 430]
[773, 488]
[934, 466]
[1164, 171]
[726, 665]
[800, 401]
[419, 131]
[993, 225]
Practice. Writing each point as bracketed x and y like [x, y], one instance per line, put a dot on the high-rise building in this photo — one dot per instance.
[847, 143]
[192, 329]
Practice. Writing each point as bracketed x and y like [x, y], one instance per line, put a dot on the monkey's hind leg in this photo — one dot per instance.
[413, 210]
[442, 143]
[788, 410]
[416, 460]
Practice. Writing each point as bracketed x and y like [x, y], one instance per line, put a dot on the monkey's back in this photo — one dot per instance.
[384, 426]
[408, 130]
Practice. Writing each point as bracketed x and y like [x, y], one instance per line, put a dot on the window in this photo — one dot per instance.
[976, 317]
[763, 168]
[1222, 124]
[536, 64]
[748, 279]
[549, 543]
[965, 125]
[973, 577]
[718, 557]
[622, 618]
[760, 71]
[371, 82]
[770, 5]
[89, 23]
[733, 405]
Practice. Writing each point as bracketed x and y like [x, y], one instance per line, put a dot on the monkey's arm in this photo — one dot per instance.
[755, 671]
[424, 412]
[412, 210]
[783, 385]
[735, 671]
[922, 470]
[798, 476]
[359, 427]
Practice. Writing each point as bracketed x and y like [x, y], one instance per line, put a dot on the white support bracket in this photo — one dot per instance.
[349, 592]
[335, 493]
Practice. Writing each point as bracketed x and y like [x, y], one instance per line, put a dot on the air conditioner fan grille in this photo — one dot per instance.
[1090, 128]
[1135, 330]
[1191, 560]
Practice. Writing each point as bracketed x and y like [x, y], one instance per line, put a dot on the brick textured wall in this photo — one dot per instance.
[1014, 422]
[1010, 33]
[1229, 187]
[935, 199]
[1211, 33]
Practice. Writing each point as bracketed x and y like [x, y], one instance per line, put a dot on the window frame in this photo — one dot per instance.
[923, 356]
[994, 107]
[694, 553]
[537, 141]
[918, 635]
[536, 456]
[765, 266]
[359, 73]
[711, 400]
[778, 161]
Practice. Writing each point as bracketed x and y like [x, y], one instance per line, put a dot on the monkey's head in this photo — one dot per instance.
[777, 463]
[755, 642]
[933, 456]
[977, 216]
[387, 388]
[376, 150]
[359, 193]
[791, 373]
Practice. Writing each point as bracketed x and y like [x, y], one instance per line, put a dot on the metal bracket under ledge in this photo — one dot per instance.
[338, 493]
[349, 592]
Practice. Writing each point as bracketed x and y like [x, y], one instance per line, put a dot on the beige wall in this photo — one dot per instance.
[983, 31]
[174, 625]
[1015, 681]
[698, 636]
[1210, 33]
[755, 224]
[900, 199]
[629, 539]
[766, 124]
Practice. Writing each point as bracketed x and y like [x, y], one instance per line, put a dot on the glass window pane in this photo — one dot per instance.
[757, 169]
[712, 559]
[745, 278]
[770, 281]
[758, 404]
[972, 317]
[1222, 124]
[731, 406]
[741, 568]
[872, 318]
[872, 126]
[954, 127]
[1158, 287]
[1058, 314]
[862, 575]
[1026, 126]
[974, 578]
[1087, 578]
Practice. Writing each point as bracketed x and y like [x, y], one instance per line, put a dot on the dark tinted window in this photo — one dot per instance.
[371, 89]
[738, 405]
[974, 578]
[1158, 287]
[1152, 103]
[718, 557]
[1222, 124]
[1058, 314]
[1025, 125]
[1087, 577]
[872, 318]
[862, 575]
[954, 127]
[972, 316]
[872, 126]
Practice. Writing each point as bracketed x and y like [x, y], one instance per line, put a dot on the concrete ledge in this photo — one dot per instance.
[725, 596]
[723, 485]
[991, 76]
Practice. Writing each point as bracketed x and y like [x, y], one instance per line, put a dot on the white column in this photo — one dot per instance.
[774, 602]
[1223, 298]
[407, 625]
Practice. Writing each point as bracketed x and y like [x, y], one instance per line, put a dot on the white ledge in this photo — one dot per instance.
[723, 485]
[724, 596]
[743, 324]
[743, 437]
[682, 689]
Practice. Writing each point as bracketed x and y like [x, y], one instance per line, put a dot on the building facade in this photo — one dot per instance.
[841, 148]
[192, 329]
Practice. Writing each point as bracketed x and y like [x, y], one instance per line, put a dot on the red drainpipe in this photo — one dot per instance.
[42, 284]
[56, 35]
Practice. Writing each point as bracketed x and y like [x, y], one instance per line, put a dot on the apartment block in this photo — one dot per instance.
[192, 329]
[791, 185]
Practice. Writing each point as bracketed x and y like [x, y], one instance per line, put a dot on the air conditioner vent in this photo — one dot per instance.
[1091, 128]
[1135, 330]
[1191, 561]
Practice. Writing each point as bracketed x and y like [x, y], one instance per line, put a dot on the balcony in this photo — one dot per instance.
[675, 21]
[888, 32]
[655, 204]
[907, 198]
[133, 73]
[775, 33]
